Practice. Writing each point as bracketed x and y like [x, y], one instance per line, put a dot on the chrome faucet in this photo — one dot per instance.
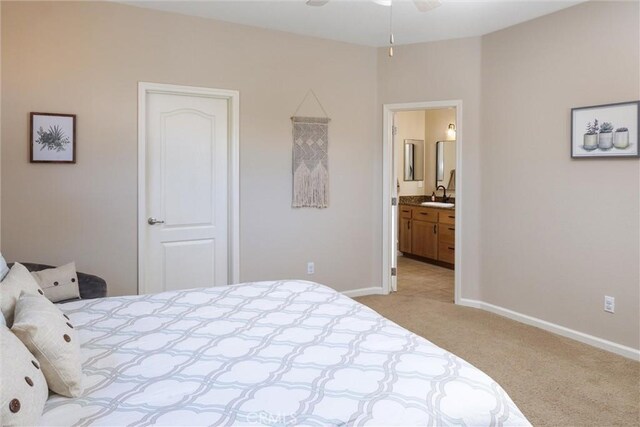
[445, 198]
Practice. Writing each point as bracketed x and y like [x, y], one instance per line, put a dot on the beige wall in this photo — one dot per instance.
[87, 58]
[410, 125]
[436, 125]
[438, 71]
[0, 129]
[560, 234]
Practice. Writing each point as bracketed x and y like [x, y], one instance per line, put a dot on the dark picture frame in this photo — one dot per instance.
[52, 138]
[606, 131]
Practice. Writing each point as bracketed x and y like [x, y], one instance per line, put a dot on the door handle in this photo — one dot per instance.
[153, 221]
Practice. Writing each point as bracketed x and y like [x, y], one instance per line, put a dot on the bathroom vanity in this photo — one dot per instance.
[427, 232]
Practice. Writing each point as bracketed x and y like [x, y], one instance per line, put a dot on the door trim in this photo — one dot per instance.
[233, 226]
[388, 189]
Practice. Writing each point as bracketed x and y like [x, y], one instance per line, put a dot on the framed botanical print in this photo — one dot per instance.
[609, 130]
[53, 138]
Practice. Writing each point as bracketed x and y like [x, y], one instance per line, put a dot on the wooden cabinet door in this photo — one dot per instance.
[447, 252]
[424, 239]
[447, 217]
[404, 236]
[405, 212]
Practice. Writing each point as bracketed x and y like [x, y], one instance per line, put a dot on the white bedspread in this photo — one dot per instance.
[272, 353]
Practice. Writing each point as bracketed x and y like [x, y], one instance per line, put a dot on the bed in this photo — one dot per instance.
[266, 353]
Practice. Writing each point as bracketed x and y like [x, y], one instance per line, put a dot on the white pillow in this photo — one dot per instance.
[49, 335]
[17, 281]
[60, 283]
[4, 269]
[24, 389]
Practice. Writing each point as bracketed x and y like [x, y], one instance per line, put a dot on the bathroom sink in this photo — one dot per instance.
[438, 204]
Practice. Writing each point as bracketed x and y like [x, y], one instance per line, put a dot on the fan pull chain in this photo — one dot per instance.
[390, 28]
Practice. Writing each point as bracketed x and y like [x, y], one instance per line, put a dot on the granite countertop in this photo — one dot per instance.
[418, 200]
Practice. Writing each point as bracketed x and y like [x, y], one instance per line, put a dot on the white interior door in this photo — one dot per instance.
[186, 201]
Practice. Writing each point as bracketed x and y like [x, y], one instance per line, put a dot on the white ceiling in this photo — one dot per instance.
[365, 22]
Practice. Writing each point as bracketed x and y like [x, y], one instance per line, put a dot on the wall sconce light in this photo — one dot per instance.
[451, 132]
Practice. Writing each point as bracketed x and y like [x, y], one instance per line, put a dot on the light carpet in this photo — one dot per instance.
[555, 381]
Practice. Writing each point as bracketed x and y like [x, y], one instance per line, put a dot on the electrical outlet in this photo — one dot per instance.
[311, 267]
[609, 304]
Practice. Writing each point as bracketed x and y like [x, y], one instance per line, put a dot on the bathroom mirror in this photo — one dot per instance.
[413, 160]
[446, 164]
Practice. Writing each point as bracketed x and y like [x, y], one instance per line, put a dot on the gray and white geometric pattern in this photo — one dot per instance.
[311, 144]
[269, 353]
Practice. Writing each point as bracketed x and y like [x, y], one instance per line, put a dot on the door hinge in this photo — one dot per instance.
[394, 272]
[394, 201]
[394, 130]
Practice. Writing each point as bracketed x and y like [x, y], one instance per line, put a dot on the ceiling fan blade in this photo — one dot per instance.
[317, 2]
[427, 5]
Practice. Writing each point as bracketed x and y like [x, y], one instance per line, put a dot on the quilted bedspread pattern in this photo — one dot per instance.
[266, 353]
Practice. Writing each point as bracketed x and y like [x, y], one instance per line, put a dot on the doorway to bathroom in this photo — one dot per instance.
[421, 214]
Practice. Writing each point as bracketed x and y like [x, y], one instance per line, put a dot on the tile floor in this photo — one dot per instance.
[429, 280]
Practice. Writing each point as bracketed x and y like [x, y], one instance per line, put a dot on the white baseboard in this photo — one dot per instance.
[603, 344]
[363, 292]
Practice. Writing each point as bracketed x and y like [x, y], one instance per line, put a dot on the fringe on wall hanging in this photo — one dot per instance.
[310, 159]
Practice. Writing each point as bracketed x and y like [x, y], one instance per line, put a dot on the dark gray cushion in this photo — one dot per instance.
[90, 286]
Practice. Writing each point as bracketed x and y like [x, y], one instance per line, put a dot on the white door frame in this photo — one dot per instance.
[388, 188]
[233, 229]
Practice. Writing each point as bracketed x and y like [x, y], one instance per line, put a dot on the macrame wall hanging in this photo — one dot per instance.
[310, 159]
